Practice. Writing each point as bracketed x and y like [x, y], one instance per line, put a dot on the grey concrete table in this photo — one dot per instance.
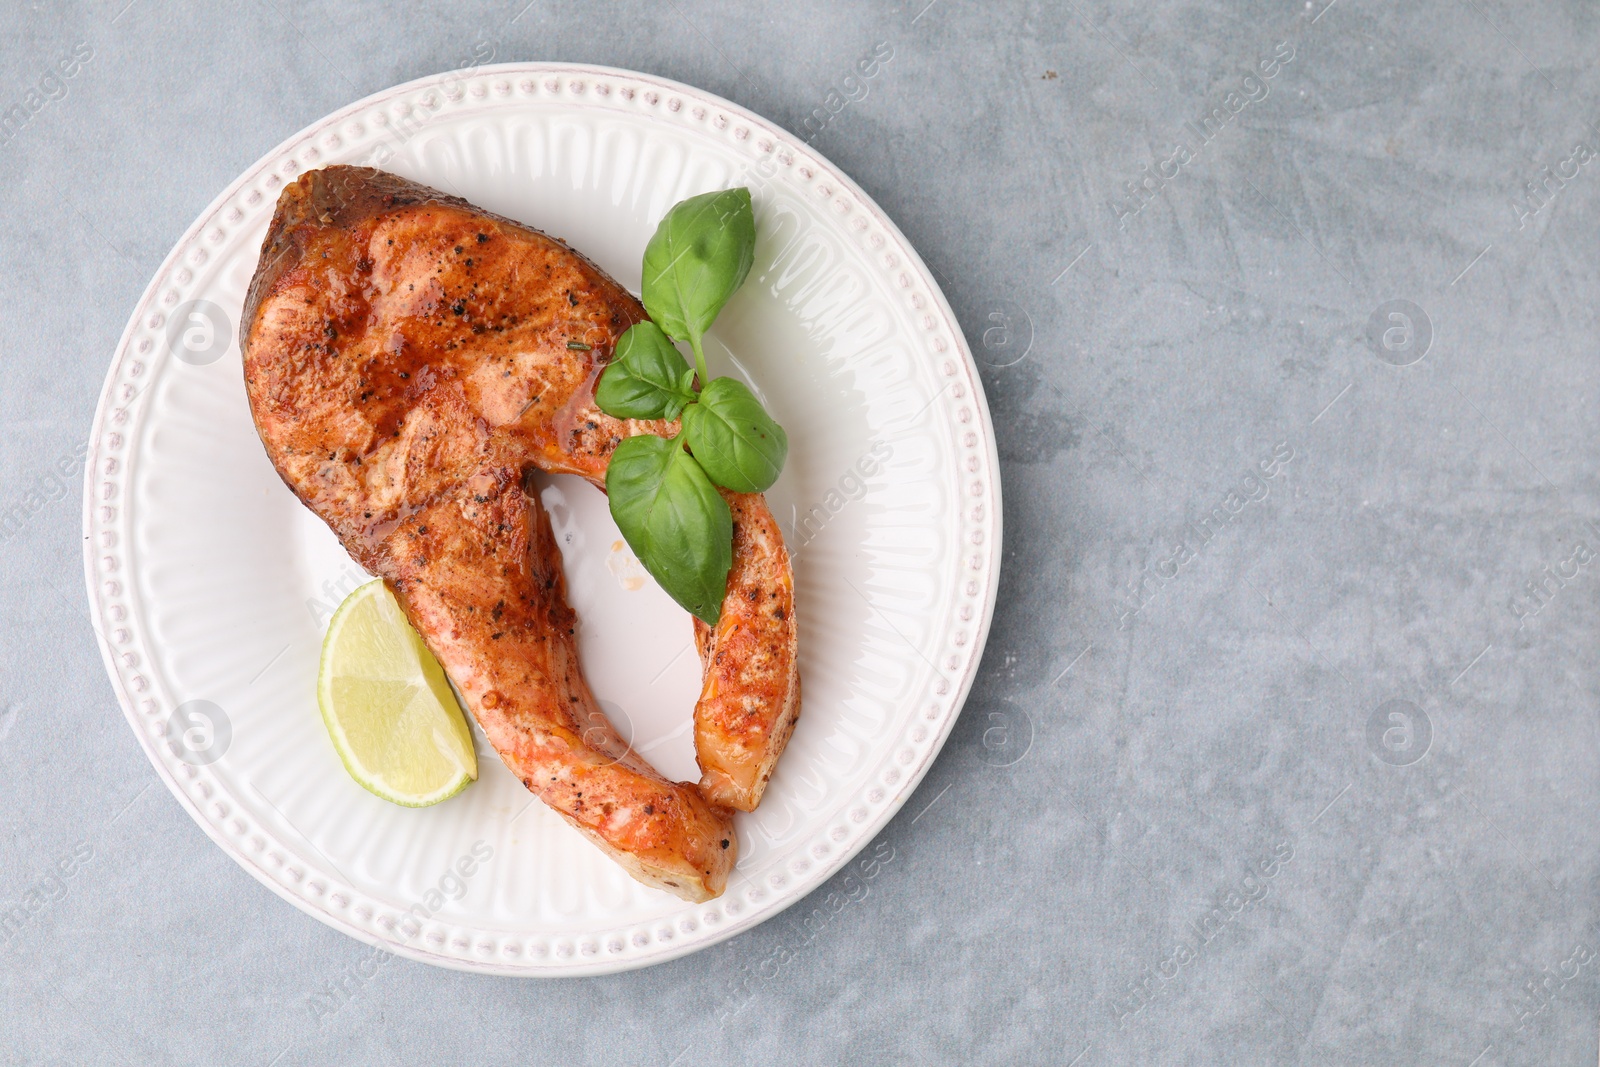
[1285, 745]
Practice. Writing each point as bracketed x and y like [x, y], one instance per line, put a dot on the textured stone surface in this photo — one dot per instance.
[1128, 759]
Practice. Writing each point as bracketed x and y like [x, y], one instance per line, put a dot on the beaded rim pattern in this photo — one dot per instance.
[123, 640]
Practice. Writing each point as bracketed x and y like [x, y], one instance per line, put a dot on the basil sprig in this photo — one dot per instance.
[734, 438]
[674, 519]
[648, 379]
[663, 489]
[698, 257]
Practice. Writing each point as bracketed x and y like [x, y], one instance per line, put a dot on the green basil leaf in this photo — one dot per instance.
[648, 379]
[674, 520]
[734, 438]
[698, 257]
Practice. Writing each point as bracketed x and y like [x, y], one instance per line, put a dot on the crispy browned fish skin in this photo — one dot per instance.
[750, 693]
[408, 360]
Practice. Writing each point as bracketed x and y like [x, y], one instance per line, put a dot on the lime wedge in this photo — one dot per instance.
[389, 710]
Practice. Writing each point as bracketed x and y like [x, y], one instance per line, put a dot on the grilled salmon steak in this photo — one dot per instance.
[410, 361]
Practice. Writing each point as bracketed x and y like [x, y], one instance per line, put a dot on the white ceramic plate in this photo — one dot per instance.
[210, 584]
